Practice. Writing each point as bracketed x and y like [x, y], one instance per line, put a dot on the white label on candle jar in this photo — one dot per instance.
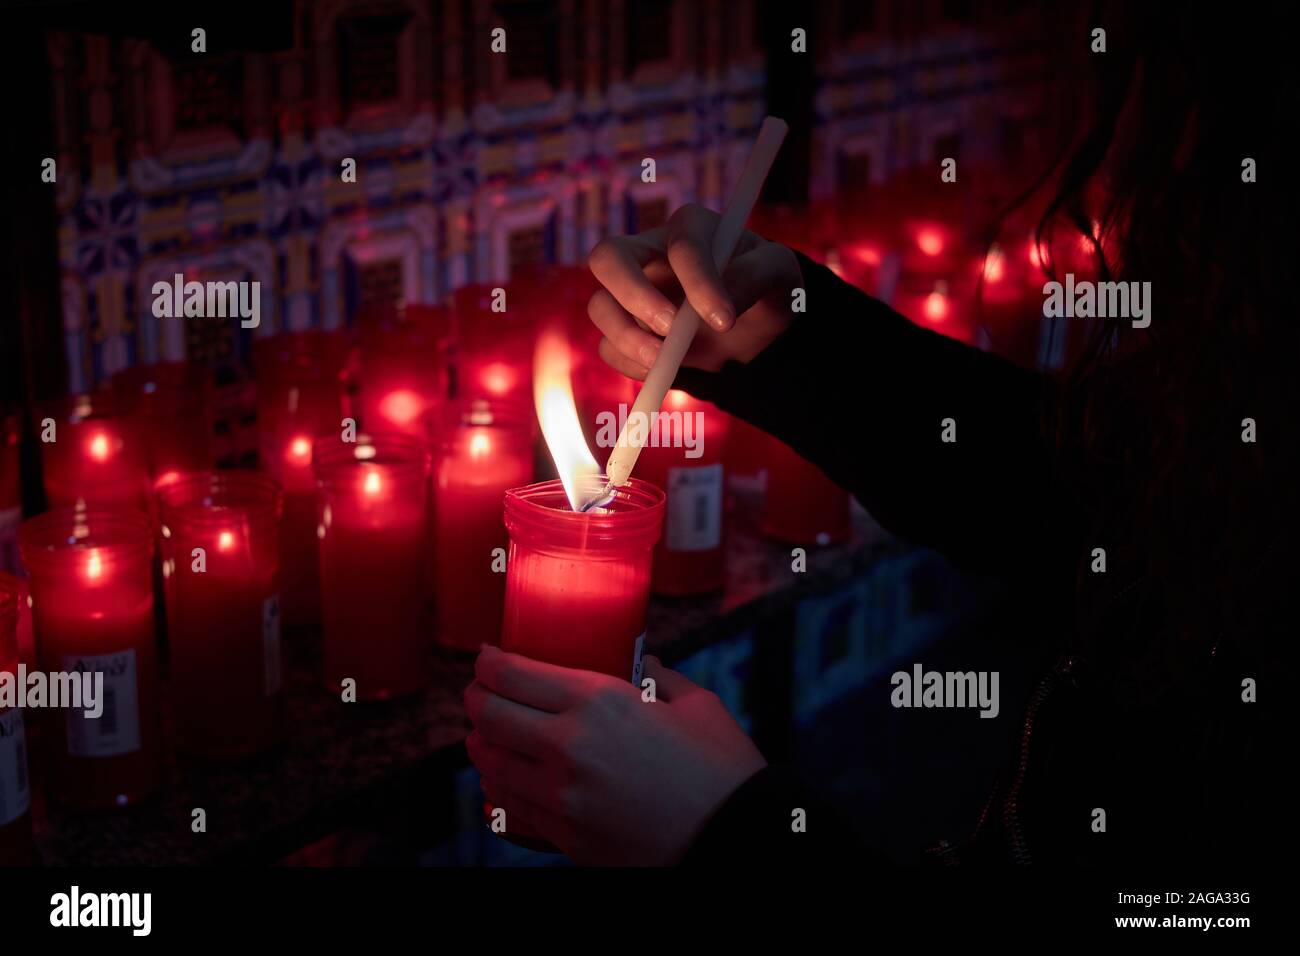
[10, 519]
[636, 660]
[14, 795]
[116, 730]
[694, 508]
[271, 668]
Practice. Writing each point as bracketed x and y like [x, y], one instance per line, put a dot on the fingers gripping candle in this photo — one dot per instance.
[577, 582]
[687, 321]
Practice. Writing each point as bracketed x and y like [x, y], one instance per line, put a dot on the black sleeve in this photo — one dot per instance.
[758, 826]
[863, 393]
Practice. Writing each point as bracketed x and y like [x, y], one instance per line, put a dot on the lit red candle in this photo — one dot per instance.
[687, 463]
[299, 399]
[402, 372]
[578, 584]
[480, 451]
[92, 604]
[98, 455]
[222, 570]
[495, 349]
[801, 505]
[372, 522]
[172, 404]
[16, 848]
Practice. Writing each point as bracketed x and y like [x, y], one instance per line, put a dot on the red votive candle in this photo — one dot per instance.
[299, 399]
[11, 492]
[221, 553]
[801, 505]
[172, 403]
[92, 605]
[402, 373]
[99, 455]
[685, 459]
[577, 584]
[16, 847]
[373, 513]
[481, 450]
[495, 351]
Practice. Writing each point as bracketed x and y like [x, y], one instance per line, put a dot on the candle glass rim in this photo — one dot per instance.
[257, 497]
[307, 356]
[637, 524]
[445, 423]
[396, 451]
[129, 534]
[104, 405]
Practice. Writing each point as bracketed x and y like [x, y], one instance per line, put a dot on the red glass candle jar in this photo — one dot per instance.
[686, 461]
[402, 372]
[494, 357]
[299, 399]
[16, 847]
[99, 455]
[481, 450]
[221, 553]
[373, 513]
[92, 605]
[577, 584]
[26, 642]
[801, 505]
[11, 492]
[173, 405]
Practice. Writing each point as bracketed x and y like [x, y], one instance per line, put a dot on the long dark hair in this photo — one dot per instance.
[1153, 419]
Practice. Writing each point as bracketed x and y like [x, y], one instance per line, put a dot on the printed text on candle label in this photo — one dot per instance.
[73, 689]
[656, 430]
[117, 730]
[74, 908]
[272, 671]
[14, 795]
[637, 666]
[694, 508]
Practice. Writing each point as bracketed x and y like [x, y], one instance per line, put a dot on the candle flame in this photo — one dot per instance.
[497, 378]
[558, 414]
[99, 447]
[930, 241]
[480, 445]
[994, 264]
[299, 452]
[94, 566]
[936, 303]
[373, 484]
[401, 407]
[225, 541]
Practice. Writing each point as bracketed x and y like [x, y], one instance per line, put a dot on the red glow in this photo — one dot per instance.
[401, 407]
[480, 445]
[497, 378]
[225, 541]
[299, 451]
[94, 566]
[99, 447]
[373, 483]
[995, 266]
[870, 255]
[936, 306]
[678, 399]
[167, 478]
[930, 241]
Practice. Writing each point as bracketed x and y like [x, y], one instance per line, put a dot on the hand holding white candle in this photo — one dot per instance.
[685, 323]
